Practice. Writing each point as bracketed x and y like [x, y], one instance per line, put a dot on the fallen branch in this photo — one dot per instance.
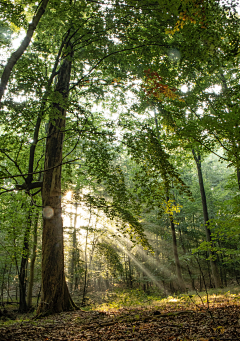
[130, 320]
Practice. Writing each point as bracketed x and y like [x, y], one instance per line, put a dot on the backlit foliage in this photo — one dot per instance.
[194, 14]
[156, 89]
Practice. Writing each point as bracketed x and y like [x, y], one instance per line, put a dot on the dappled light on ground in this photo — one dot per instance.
[187, 317]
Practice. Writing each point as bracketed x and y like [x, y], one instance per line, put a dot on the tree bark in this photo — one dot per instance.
[55, 295]
[28, 184]
[18, 53]
[213, 263]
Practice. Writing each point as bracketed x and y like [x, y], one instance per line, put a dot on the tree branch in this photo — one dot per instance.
[33, 185]
[8, 173]
[18, 53]
[108, 55]
[42, 171]
[7, 190]
[15, 163]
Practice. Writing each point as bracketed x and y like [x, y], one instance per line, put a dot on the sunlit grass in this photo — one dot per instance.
[126, 298]
[136, 298]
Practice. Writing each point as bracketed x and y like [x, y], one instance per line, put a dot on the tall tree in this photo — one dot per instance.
[212, 254]
[55, 296]
[104, 45]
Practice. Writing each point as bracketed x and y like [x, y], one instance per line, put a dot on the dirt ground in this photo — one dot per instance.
[221, 322]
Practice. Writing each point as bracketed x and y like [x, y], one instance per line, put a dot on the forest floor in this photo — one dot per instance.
[185, 317]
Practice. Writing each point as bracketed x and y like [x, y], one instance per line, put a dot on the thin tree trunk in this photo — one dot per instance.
[85, 284]
[130, 273]
[18, 53]
[213, 263]
[23, 268]
[200, 283]
[8, 283]
[31, 274]
[238, 177]
[74, 251]
[185, 252]
[2, 284]
[175, 253]
[209, 273]
[174, 239]
[55, 296]
[224, 271]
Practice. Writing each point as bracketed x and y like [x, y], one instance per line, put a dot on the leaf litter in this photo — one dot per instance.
[219, 321]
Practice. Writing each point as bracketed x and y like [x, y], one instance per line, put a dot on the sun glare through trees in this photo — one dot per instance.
[120, 167]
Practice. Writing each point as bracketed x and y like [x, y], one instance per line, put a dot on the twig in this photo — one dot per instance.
[208, 307]
[8, 173]
[7, 190]
[15, 163]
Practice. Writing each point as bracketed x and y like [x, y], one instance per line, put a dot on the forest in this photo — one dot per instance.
[120, 168]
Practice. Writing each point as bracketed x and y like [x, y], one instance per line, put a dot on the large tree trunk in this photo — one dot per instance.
[55, 295]
[213, 263]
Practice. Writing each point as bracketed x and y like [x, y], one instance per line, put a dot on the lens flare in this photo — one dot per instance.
[48, 212]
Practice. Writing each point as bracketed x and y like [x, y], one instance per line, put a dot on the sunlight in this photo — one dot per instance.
[16, 42]
[77, 215]
[138, 264]
[122, 217]
[215, 88]
[172, 299]
[200, 111]
[142, 267]
[184, 88]
[67, 209]
[122, 240]
[68, 195]
[161, 268]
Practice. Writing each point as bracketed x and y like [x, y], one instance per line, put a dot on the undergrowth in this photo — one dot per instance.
[131, 298]
[127, 299]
